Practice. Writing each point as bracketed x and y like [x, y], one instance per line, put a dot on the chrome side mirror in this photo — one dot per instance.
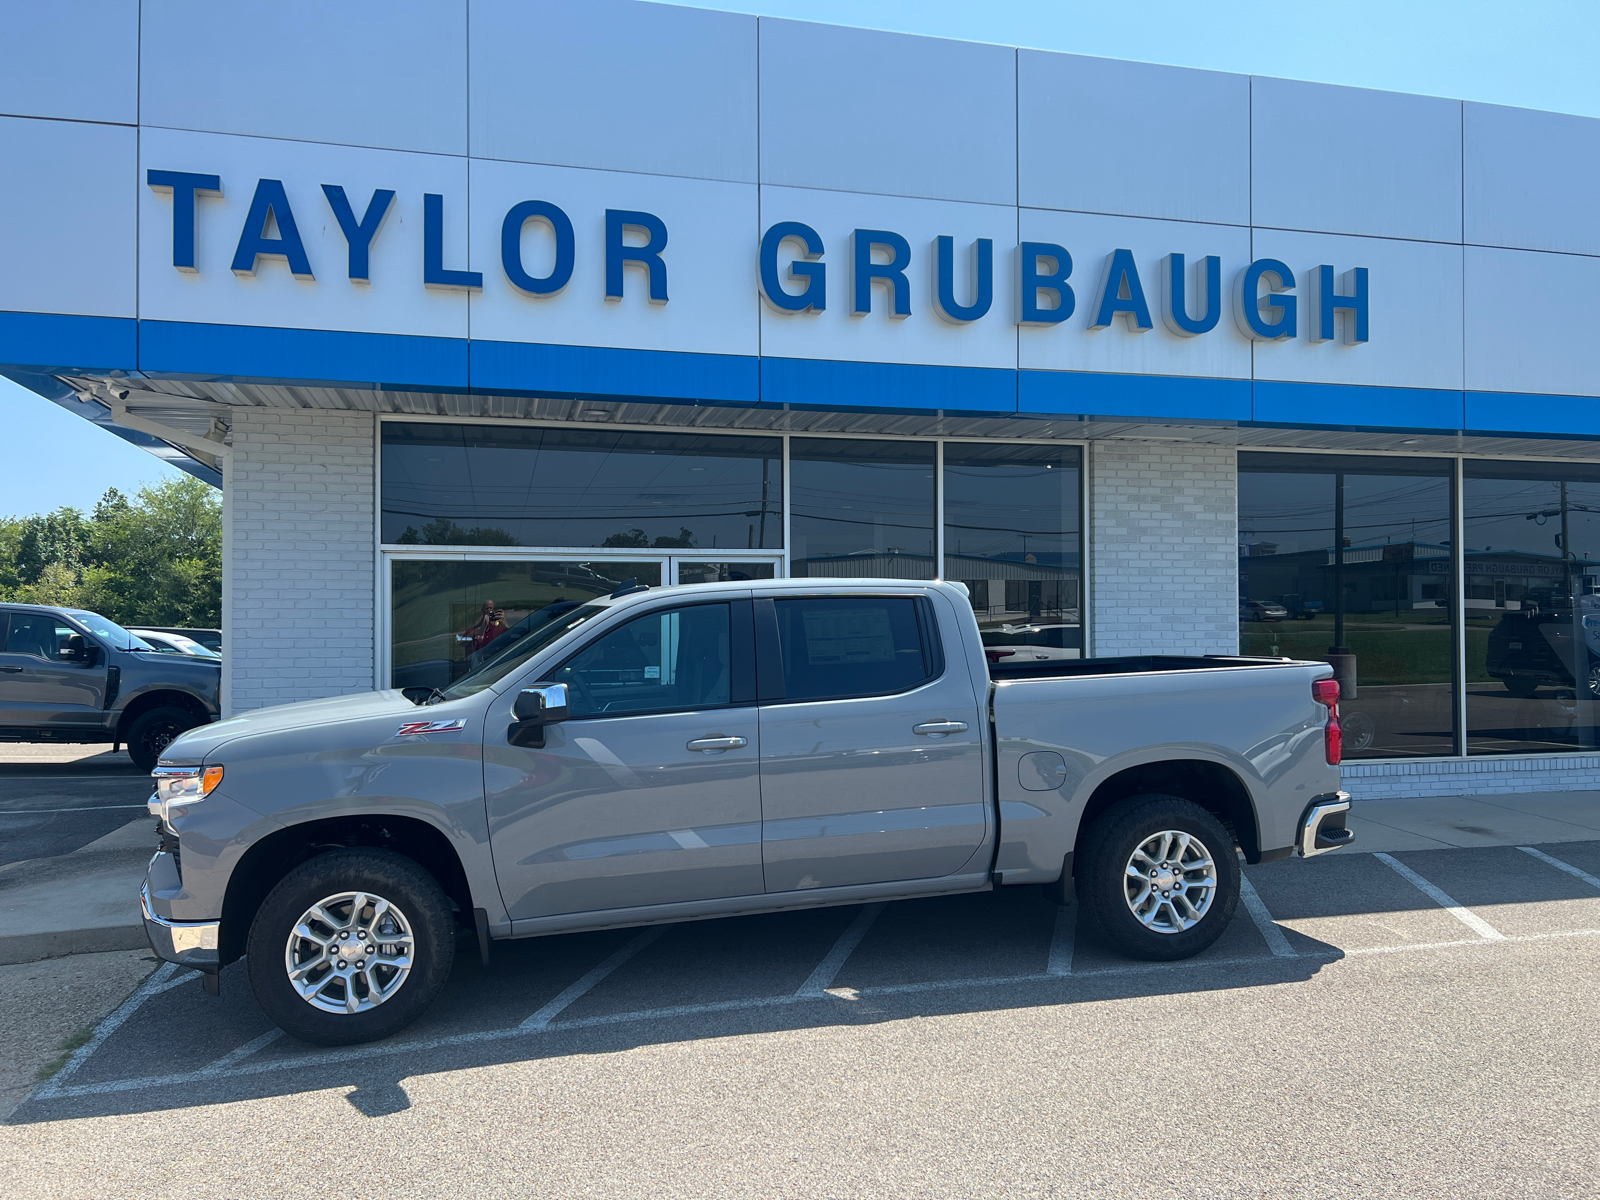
[534, 708]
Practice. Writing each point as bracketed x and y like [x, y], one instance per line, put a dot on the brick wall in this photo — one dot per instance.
[299, 603]
[1471, 777]
[1163, 548]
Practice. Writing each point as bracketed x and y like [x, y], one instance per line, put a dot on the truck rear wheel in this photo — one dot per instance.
[351, 946]
[1160, 877]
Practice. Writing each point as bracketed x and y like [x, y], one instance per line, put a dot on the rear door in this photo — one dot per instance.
[871, 744]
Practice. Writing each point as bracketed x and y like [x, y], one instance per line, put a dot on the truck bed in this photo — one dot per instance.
[1132, 664]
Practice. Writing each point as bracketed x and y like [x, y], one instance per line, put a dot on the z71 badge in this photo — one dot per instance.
[414, 727]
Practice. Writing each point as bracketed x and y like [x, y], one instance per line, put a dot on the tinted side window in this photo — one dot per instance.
[669, 660]
[837, 647]
[38, 634]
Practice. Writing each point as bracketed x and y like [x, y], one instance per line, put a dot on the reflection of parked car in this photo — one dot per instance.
[1262, 610]
[1014, 644]
[1535, 647]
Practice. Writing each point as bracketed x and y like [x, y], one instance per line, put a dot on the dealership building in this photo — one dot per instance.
[469, 306]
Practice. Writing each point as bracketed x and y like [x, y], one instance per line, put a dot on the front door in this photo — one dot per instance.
[36, 688]
[872, 759]
[650, 792]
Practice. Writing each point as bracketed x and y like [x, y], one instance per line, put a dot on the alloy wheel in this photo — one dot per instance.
[1169, 881]
[349, 952]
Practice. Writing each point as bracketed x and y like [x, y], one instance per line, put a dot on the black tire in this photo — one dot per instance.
[1520, 686]
[154, 731]
[1111, 843]
[395, 878]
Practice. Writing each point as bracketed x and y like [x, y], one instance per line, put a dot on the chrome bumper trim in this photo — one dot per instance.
[1313, 839]
[188, 943]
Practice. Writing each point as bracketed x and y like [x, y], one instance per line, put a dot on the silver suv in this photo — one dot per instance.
[70, 675]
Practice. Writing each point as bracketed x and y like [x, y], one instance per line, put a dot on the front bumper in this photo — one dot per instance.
[1322, 826]
[188, 943]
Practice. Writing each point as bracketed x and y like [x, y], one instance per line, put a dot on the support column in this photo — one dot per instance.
[299, 609]
[1163, 529]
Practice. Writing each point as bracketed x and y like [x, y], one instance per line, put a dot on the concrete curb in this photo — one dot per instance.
[33, 947]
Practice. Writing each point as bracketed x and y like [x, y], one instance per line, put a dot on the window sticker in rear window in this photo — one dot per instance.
[849, 635]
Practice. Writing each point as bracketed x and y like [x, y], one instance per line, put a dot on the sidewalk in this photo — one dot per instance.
[1442, 822]
[77, 903]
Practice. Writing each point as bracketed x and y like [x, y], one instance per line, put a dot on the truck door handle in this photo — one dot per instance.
[715, 743]
[939, 728]
[12, 670]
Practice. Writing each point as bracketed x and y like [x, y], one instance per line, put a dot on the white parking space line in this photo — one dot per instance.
[232, 1057]
[1470, 919]
[302, 1062]
[1062, 941]
[158, 982]
[1561, 866]
[1257, 908]
[585, 984]
[821, 978]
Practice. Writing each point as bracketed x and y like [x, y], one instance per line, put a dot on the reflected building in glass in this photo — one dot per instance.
[1347, 559]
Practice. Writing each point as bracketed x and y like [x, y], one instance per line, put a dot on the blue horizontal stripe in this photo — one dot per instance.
[246, 352]
[1519, 413]
[1347, 406]
[1089, 393]
[57, 343]
[52, 342]
[604, 371]
[828, 383]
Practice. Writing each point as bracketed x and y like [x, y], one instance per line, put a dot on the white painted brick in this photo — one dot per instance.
[1397, 780]
[1162, 548]
[301, 549]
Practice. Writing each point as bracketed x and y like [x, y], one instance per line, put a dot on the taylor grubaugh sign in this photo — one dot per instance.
[793, 265]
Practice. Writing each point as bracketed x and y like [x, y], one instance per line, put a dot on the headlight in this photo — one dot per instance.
[181, 785]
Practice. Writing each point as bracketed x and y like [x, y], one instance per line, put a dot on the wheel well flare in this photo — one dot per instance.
[1212, 786]
[274, 856]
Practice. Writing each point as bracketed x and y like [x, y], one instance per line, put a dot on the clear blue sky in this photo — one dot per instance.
[1529, 53]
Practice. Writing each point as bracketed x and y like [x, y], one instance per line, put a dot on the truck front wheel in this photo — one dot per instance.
[350, 946]
[1160, 877]
[154, 731]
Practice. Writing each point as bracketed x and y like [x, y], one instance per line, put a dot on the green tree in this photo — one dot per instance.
[154, 560]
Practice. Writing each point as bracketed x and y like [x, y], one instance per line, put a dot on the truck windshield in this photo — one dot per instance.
[526, 639]
[119, 637]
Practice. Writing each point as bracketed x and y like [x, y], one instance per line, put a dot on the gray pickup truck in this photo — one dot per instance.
[682, 753]
[70, 675]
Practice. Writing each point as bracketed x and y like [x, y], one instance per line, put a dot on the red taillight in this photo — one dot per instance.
[1326, 692]
[995, 656]
[1333, 738]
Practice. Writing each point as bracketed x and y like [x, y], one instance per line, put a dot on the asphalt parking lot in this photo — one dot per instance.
[1412, 1024]
[50, 808]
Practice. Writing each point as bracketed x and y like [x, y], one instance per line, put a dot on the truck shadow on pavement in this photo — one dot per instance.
[777, 974]
[711, 979]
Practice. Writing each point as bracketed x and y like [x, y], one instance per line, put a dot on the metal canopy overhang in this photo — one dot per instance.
[188, 422]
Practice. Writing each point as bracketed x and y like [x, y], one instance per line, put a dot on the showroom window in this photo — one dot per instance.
[1531, 567]
[1348, 559]
[491, 532]
[862, 508]
[1013, 535]
[495, 485]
